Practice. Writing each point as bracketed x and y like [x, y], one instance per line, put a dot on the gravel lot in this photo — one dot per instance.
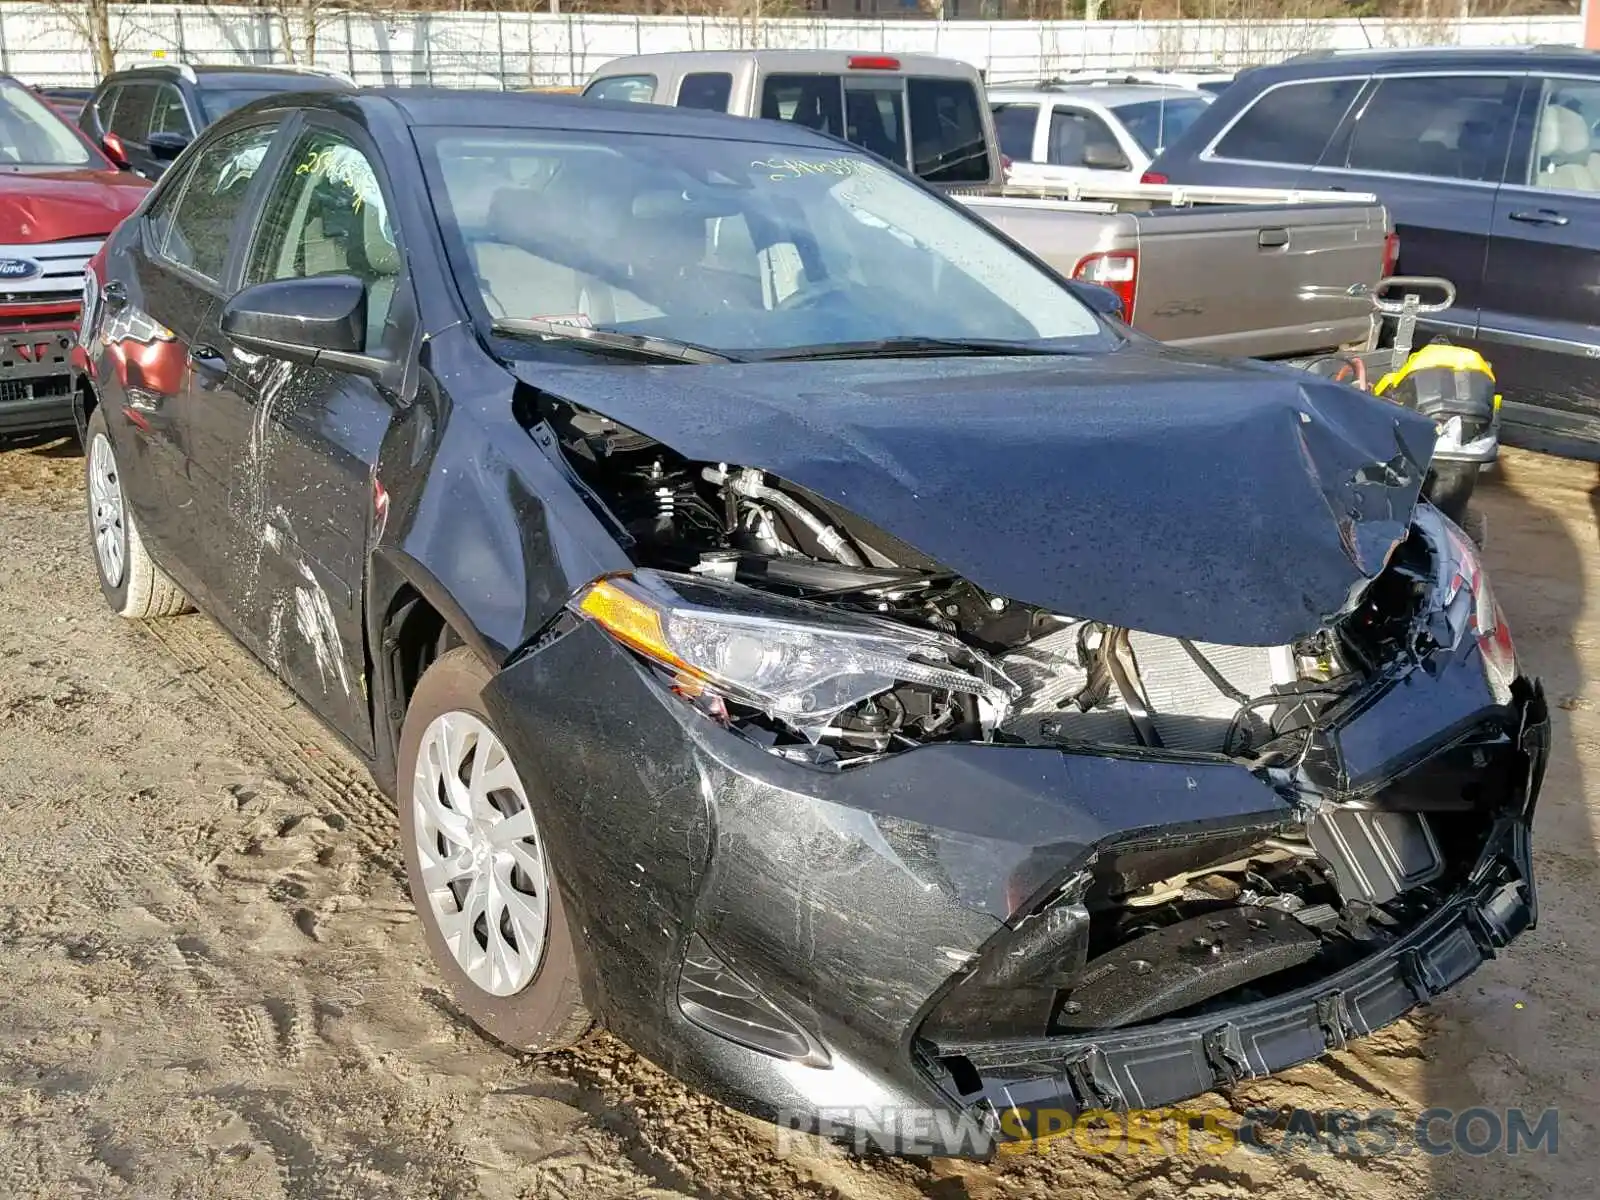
[212, 985]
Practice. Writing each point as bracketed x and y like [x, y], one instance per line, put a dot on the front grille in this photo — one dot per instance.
[19, 391]
[59, 279]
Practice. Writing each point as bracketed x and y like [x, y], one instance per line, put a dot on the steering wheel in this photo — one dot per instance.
[809, 298]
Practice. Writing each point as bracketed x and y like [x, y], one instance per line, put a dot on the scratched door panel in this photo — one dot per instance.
[299, 511]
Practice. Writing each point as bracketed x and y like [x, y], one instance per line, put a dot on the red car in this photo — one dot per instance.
[59, 198]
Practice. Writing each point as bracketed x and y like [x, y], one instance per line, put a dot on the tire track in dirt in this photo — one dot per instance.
[305, 758]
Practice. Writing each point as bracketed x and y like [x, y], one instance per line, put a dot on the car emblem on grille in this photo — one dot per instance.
[18, 268]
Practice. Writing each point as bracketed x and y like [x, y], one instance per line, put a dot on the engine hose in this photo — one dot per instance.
[748, 484]
[1132, 697]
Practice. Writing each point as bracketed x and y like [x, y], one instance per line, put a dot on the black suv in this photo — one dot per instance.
[1489, 162]
[143, 117]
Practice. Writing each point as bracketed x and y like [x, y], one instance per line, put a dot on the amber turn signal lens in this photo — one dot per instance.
[632, 620]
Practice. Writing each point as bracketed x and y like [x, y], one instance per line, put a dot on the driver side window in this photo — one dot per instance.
[326, 215]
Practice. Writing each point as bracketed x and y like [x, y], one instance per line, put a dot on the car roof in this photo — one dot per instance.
[1110, 95]
[425, 107]
[803, 61]
[1319, 63]
[222, 75]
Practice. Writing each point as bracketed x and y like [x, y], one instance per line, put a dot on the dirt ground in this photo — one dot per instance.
[212, 984]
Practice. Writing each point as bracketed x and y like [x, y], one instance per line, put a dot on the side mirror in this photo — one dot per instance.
[321, 320]
[167, 146]
[1098, 297]
[1098, 156]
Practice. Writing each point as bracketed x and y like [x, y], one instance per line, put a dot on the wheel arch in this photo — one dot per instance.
[412, 619]
[85, 399]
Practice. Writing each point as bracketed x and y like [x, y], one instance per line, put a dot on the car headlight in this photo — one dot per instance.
[798, 662]
[1466, 602]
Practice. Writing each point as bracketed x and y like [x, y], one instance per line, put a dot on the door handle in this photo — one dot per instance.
[208, 362]
[1540, 216]
[1272, 239]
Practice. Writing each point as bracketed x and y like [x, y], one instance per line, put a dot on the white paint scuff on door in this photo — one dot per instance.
[274, 655]
[248, 494]
[313, 617]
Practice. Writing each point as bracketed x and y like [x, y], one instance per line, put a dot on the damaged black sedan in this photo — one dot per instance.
[800, 632]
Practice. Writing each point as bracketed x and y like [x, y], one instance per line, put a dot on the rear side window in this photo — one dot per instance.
[1291, 123]
[131, 120]
[1080, 139]
[706, 89]
[1014, 125]
[640, 89]
[947, 142]
[1450, 127]
[875, 118]
[815, 101]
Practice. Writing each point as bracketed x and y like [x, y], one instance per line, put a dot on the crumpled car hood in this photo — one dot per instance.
[1223, 502]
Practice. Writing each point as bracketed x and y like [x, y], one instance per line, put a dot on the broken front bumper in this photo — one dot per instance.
[780, 937]
[1160, 1064]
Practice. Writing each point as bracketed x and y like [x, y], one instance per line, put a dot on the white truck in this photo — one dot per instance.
[1244, 271]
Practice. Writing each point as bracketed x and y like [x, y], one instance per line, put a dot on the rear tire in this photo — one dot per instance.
[133, 585]
[475, 860]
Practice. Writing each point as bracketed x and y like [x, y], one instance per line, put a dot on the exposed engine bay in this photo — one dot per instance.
[1033, 677]
[1148, 931]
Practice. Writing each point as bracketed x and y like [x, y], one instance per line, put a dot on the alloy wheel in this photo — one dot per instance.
[482, 860]
[105, 510]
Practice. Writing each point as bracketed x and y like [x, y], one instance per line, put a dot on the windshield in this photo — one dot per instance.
[1156, 124]
[32, 134]
[742, 247]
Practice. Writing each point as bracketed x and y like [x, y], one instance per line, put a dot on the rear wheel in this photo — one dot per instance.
[476, 862]
[132, 583]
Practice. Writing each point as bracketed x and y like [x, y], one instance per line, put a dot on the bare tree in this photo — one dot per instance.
[301, 23]
[90, 21]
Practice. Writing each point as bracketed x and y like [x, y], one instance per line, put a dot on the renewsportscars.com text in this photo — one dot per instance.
[1375, 1133]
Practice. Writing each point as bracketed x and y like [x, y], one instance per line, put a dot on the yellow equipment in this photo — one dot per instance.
[1455, 387]
[1441, 381]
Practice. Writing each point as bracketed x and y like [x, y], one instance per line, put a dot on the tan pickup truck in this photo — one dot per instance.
[1246, 271]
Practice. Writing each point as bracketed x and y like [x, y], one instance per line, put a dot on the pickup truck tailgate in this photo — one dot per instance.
[1262, 282]
[1237, 277]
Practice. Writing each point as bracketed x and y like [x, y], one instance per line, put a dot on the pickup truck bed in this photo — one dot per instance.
[1240, 271]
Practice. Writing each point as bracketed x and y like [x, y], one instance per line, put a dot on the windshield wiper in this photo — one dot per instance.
[640, 344]
[911, 347]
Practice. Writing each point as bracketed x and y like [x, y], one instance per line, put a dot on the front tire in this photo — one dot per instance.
[133, 585]
[477, 867]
